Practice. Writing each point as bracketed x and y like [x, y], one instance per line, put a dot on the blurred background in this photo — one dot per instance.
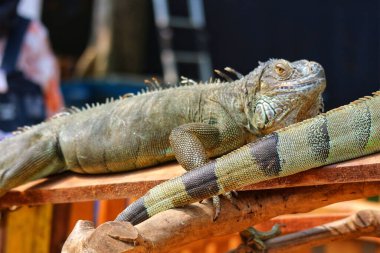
[107, 48]
[122, 42]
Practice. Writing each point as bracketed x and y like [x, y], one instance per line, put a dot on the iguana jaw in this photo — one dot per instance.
[280, 102]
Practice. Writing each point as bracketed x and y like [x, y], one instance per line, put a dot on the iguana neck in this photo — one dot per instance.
[232, 98]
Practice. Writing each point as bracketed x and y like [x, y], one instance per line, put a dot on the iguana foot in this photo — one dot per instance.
[231, 196]
[256, 239]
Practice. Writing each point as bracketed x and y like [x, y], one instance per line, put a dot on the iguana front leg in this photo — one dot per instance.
[194, 143]
[190, 143]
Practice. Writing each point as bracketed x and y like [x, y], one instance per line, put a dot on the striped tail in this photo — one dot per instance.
[341, 134]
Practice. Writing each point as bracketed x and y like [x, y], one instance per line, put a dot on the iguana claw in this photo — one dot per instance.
[231, 196]
[217, 208]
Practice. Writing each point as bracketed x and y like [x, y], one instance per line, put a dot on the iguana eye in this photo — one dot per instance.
[282, 70]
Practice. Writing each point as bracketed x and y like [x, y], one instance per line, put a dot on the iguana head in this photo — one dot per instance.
[280, 93]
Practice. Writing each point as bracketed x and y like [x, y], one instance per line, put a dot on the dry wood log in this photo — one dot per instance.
[176, 227]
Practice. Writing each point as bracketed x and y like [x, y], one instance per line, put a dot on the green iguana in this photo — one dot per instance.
[190, 123]
[341, 134]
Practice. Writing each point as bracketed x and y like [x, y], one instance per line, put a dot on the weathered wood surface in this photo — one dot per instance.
[177, 227]
[70, 187]
[27, 229]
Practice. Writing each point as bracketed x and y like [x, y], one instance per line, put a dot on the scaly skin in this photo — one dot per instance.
[190, 123]
[345, 133]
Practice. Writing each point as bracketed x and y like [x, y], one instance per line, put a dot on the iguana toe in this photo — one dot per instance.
[231, 196]
[217, 208]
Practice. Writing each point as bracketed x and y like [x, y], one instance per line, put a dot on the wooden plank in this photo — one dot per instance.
[70, 187]
[28, 229]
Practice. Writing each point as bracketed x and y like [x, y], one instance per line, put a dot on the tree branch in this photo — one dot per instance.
[362, 223]
[176, 227]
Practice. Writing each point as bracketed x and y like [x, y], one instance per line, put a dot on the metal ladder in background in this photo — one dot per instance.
[171, 58]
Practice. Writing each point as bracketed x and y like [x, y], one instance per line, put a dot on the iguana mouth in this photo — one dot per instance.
[301, 85]
[315, 79]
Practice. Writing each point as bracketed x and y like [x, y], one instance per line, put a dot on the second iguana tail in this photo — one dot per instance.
[344, 133]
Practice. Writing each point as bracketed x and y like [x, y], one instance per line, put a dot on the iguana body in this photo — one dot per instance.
[190, 123]
[347, 132]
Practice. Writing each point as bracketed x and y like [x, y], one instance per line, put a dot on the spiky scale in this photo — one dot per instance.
[233, 71]
[223, 75]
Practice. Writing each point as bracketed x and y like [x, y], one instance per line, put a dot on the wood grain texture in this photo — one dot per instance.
[175, 227]
[59, 226]
[35, 237]
[70, 187]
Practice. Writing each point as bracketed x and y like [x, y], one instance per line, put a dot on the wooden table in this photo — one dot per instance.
[70, 188]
